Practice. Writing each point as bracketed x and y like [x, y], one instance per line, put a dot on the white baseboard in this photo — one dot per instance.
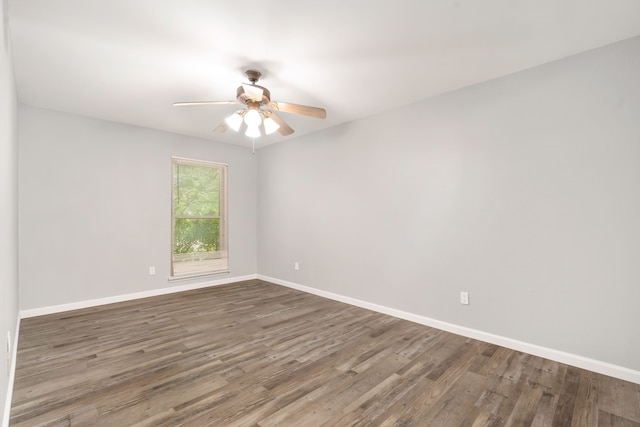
[536, 350]
[12, 375]
[127, 297]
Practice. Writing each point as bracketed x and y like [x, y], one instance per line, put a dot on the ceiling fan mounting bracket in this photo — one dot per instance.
[253, 76]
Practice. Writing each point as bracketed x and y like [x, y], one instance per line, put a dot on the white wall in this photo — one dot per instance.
[8, 203]
[524, 191]
[95, 200]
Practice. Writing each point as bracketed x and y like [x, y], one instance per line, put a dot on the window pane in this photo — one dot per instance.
[197, 247]
[196, 235]
[196, 190]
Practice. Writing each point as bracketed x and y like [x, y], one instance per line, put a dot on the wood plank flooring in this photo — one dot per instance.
[258, 354]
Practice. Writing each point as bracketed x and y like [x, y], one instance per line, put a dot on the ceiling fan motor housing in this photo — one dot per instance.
[242, 97]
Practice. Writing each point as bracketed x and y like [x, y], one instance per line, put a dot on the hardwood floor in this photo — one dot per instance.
[258, 354]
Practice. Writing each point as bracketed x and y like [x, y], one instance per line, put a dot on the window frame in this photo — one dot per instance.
[222, 216]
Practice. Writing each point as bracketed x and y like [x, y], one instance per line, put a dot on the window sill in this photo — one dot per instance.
[197, 276]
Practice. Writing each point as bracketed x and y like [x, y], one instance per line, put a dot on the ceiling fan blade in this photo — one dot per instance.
[305, 110]
[186, 104]
[284, 128]
[253, 92]
[222, 127]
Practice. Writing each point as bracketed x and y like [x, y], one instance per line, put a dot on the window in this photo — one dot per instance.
[199, 218]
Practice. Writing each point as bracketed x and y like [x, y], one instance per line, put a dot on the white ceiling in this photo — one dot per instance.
[129, 60]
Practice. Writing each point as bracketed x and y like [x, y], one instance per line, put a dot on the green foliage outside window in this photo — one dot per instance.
[196, 235]
[196, 196]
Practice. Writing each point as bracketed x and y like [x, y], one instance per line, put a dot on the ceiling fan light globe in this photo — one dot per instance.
[270, 126]
[234, 121]
[252, 118]
[253, 132]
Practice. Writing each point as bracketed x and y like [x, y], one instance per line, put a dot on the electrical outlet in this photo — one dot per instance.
[464, 298]
[152, 271]
[296, 266]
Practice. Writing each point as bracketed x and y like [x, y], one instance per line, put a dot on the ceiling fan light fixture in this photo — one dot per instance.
[252, 118]
[234, 121]
[270, 126]
[253, 132]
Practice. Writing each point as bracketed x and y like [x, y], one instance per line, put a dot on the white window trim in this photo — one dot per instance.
[224, 218]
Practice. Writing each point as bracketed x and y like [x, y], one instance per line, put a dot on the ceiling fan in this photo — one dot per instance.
[259, 110]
